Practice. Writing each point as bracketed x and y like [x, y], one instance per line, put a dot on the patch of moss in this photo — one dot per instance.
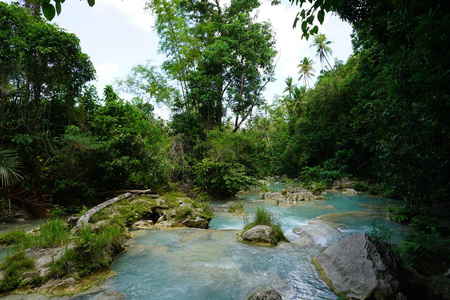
[14, 266]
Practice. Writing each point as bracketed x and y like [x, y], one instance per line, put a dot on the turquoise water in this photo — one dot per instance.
[211, 264]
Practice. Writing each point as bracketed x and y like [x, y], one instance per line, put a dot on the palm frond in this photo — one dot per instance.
[10, 166]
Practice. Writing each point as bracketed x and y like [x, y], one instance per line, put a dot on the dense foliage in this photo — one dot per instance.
[70, 144]
[380, 116]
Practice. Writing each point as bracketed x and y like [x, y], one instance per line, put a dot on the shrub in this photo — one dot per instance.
[96, 250]
[221, 179]
[263, 217]
[360, 186]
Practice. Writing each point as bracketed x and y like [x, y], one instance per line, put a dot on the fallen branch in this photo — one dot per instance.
[84, 219]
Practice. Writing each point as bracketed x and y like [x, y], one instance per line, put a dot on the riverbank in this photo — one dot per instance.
[56, 258]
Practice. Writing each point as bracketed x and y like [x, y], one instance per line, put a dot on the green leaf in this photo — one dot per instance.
[49, 11]
[295, 21]
[321, 16]
[58, 6]
[91, 2]
[304, 26]
[315, 30]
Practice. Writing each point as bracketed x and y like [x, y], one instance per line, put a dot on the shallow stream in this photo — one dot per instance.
[211, 264]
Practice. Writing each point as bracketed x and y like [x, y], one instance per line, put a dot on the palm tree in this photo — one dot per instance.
[298, 96]
[306, 68]
[320, 41]
[9, 167]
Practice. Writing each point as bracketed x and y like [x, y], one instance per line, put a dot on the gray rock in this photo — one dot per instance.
[197, 222]
[316, 234]
[354, 266]
[44, 257]
[258, 234]
[301, 195]
[266, 294]
[273, 196]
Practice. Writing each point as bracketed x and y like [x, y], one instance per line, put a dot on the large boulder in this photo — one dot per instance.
[258, 234]
[355, 267]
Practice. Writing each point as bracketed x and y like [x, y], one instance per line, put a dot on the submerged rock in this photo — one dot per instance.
[258, 234]
[316, 234]
[355, 267]
[266, 294]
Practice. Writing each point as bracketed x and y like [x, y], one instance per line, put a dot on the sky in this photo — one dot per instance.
[118, 34]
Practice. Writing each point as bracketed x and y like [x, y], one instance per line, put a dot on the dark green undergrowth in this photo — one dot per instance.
[426, 246]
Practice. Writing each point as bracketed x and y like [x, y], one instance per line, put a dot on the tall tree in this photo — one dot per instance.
[306, 69]
[323, 50]
[212, 49]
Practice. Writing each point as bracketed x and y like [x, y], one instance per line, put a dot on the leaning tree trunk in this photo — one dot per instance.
[84, 219]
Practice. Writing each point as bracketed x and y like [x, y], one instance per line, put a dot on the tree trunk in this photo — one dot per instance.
[84, 219]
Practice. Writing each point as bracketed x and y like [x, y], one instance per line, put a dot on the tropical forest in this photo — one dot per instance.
[337, 188]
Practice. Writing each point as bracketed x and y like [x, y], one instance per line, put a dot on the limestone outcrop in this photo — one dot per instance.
[292, 194]
[355, 267]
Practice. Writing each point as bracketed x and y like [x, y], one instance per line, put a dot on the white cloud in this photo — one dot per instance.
[134, 11]
[107, 71]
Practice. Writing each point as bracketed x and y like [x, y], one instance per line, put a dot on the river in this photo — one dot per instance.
[211, 264]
